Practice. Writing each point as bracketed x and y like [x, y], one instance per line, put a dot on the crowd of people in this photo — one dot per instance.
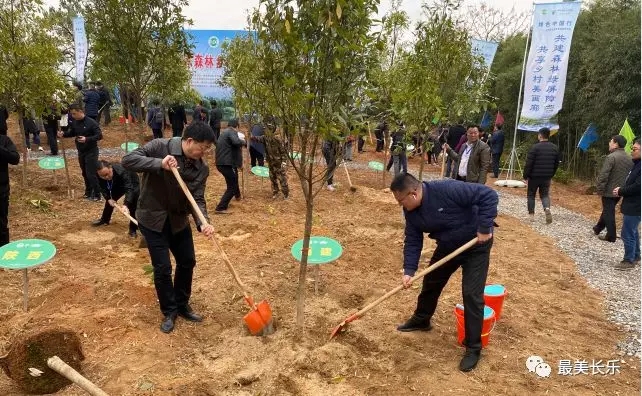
[452, 210]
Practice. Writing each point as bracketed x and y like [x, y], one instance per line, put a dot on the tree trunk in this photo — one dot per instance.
[25, 154]
[303, 268]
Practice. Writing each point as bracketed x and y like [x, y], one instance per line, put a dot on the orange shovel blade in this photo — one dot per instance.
[259, 319]
[341, 327]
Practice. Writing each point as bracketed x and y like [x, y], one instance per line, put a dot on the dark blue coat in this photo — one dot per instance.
[496, 142]
[452, 212]
[92, 102]
[631, 191]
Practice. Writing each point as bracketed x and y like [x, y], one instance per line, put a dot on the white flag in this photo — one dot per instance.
[80, 44]
[545, 75]
[485, 49]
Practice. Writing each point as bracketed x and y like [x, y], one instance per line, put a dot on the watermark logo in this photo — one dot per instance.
[566, 367]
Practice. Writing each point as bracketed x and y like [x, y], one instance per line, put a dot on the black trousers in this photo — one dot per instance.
[172, 296]
[330, 160]
[108, 210]
[496, 157]
[474, 264]
[544, 186]
[4, 215]
[379, 137]
[256, 156]
[231, 175]
[157, 133]
[607, 218]
[360, 143]
[52, 139]
[88, 161]
[177, 132]
[217, 133]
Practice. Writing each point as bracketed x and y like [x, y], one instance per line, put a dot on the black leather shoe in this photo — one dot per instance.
[469, 361]
[415, 324]
[596, 231]
[99, 222]
[167, 325]
[189, 314]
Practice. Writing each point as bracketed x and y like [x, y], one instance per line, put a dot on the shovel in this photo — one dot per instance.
[259, 319]
[352, 188]
[34, 364]
[143, 241]
[355, 316]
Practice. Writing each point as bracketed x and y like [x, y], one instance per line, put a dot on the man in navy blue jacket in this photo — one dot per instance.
[452, 213]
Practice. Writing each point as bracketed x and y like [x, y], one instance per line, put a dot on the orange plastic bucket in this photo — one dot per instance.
[494, 297]
[487, 327]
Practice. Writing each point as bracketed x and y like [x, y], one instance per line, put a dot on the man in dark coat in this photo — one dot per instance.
[92, 103]
[257, 148]
[216, 115]
[177, 118]
[8, 155]
[104, 104]
[163, 211]
[229, 157]
[452, 213]
[630, 191]
[614, 170]
[541, 164]
[115, 181]
[455, 133]
[50, 119]
[496, 143]
[4, 116]
[87, 134]
[473, 158]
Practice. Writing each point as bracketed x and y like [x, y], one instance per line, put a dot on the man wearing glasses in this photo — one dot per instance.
[452, 213]
[163, 211]
[630, 191]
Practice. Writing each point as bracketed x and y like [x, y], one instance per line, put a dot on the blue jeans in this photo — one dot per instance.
[631, 238]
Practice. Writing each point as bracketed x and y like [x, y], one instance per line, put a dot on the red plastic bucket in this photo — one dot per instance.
[494, 298]
[487, 327]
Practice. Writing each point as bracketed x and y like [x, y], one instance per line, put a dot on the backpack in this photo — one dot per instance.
[159, 116]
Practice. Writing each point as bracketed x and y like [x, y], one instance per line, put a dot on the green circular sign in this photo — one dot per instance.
[52, 163]
[376, 165]
[322, 250]
[129, 146]
[261, 171]
[26, 253]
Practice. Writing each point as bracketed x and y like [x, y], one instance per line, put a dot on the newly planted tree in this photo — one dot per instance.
[307, 71]
[143, 49]
[29, 59]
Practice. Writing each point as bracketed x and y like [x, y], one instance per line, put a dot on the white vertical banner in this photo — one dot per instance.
[485, 49]
[80, 44]
[545, 74]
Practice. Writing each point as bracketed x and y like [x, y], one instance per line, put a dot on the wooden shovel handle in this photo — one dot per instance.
[120, 208]
[417, 276]
[62, 368]
[347, 173]
[204, 222]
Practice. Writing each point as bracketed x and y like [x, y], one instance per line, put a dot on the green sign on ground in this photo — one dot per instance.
[261, 171]
[129, 146]
[376, 165]
[51, 163]
[26, 253]
[322, 250]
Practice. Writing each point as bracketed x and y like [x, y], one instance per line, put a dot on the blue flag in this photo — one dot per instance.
[485, 122]
[588, 137]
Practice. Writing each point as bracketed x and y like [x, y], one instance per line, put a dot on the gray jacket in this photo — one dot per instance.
[613, 173]
[161, 196]
[228, 149]
[478, 162]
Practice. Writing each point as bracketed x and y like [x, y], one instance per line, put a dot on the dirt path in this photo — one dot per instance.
[96, 285]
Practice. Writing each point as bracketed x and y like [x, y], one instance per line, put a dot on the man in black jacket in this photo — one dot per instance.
[455, 133]
[177, 118]
[631, 210]
[115, 181]
[229, 157]
[104, 104]
[92, 103]
[4, 116]
[541, 164]
[8, 155]
[215, 119]
[87, 134]
[163, 210]
[496, 143]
